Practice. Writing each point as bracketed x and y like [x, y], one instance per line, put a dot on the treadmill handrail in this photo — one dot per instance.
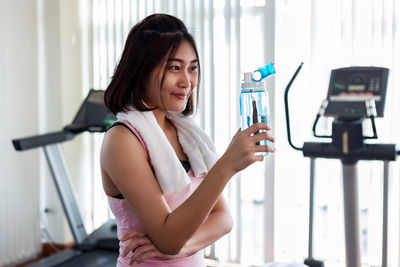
[42, 140]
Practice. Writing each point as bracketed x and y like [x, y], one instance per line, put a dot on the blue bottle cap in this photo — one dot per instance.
[263, 72]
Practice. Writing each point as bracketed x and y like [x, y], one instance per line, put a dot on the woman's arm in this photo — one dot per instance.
[124, 160]
[217, 224]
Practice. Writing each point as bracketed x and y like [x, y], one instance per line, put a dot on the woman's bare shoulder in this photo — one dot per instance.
[121, 146]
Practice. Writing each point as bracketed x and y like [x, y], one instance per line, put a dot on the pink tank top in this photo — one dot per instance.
[127, 221]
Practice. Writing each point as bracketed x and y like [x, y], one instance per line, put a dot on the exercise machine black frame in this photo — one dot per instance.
[348, 146]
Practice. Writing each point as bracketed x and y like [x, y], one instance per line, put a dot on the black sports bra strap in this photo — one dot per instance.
[123, 124]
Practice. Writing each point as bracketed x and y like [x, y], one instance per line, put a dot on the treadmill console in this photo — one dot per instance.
[350, 88]
[93, 115]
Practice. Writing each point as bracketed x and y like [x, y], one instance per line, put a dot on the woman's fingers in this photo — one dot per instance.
[133, 244]
[256, 127]
[264, 148]
[243, 148]
[144, 252]
[258, 132]
[140, 246]
[262, 136]
[133, 238]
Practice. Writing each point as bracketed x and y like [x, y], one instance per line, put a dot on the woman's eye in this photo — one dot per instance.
[174, 67]
[193, 68]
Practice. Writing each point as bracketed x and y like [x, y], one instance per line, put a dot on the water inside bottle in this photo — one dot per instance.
[247, 122]
[251, 101]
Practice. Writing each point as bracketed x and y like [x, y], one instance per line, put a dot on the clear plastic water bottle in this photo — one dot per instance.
[254, 102]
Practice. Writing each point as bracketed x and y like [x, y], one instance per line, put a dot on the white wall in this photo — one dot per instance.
[41, 89]
[19, 172]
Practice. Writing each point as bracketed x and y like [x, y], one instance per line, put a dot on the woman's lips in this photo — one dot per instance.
[180, 96]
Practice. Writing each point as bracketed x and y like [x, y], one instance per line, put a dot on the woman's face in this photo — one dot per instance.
[180, 79]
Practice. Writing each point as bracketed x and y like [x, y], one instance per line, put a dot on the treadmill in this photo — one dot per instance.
[355, 94]
[101, 247]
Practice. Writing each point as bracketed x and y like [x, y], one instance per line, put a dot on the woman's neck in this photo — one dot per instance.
[161, 119]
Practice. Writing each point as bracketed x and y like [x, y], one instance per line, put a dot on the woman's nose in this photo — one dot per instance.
[184, 80]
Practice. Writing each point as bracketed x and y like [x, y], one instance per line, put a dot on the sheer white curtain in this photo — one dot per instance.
[328, 35]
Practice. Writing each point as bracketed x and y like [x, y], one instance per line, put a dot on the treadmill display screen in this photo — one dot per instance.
[350, 88]
[356, 87]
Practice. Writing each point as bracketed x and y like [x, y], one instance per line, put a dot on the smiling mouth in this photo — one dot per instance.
[179, 96]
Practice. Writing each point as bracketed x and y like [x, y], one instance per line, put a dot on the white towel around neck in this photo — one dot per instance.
[195, 143]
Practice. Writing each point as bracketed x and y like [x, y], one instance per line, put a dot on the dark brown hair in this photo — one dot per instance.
[148, 43]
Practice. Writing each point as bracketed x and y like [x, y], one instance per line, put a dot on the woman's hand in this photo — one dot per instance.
[141, 246]
[241, 151]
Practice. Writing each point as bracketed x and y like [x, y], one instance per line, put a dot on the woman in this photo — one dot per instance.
[166, 214]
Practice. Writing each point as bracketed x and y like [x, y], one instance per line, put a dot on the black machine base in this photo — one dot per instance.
[313, 263]
[75, 258]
